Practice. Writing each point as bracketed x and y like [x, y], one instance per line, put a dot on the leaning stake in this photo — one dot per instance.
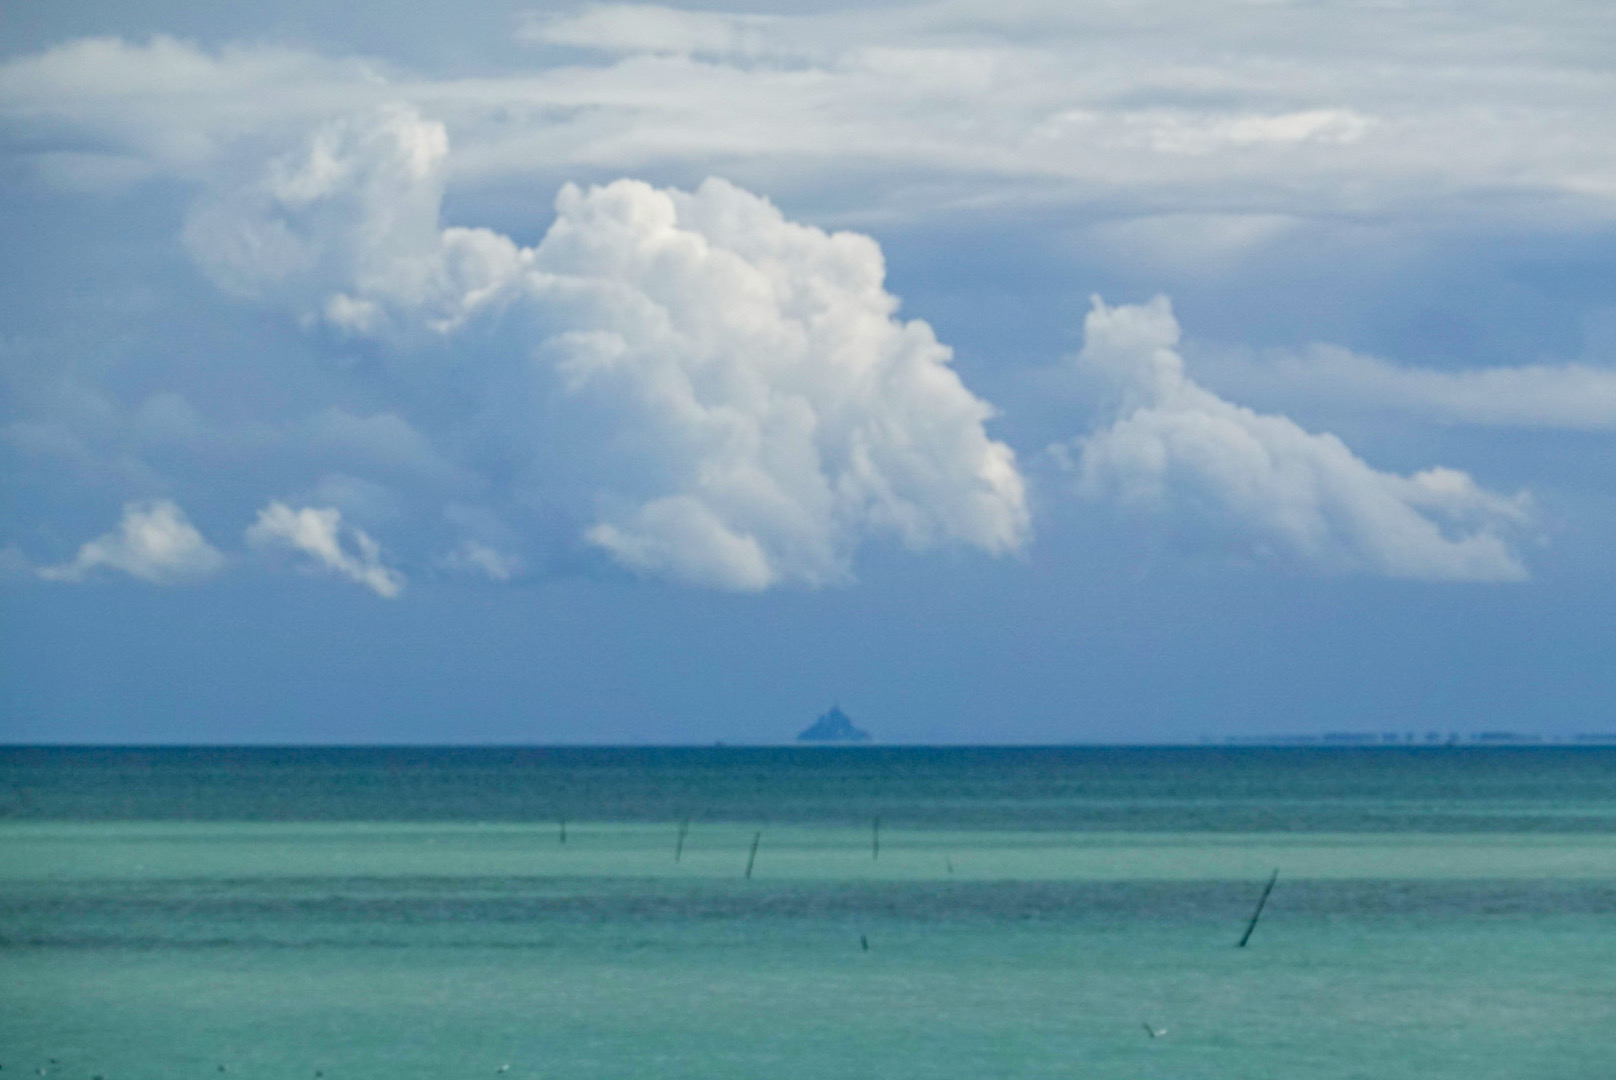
[679, 844]
[1255, 915]
[875, 838]
[563, 828]
[752, 855]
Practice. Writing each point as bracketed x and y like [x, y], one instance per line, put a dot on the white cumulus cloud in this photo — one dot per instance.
[728, 397]
[1176, 448]
[154, 542]
[346, 229]
[782, 412]
[318, 533]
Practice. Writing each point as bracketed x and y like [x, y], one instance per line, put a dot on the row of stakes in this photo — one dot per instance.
[757, 838]
[875, 854]
[864, 941]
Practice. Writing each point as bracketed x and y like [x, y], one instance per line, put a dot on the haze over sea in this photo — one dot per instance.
[1025, 912]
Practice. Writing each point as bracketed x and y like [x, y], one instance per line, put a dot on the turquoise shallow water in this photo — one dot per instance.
[1444, 915]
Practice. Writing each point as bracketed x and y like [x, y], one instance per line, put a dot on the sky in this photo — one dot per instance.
[1010, 372]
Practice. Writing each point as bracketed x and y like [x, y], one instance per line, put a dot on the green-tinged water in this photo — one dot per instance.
[1025, 914]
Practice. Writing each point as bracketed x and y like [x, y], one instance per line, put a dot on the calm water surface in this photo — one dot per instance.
[1019, 913]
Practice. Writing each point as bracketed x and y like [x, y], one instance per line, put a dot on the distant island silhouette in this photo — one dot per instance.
[834, 726]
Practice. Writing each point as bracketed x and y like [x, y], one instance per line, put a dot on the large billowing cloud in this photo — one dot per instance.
[1175, 448]
[154, 542]
[718, 394]
[784, 411]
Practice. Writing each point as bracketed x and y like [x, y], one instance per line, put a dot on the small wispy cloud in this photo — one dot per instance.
[1566, 397]
[474, 558]
[319, 534]
[154, 542]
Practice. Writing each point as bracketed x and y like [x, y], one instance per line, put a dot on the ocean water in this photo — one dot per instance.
[299, 913]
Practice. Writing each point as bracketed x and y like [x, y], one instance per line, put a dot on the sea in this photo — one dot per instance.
[812, 913]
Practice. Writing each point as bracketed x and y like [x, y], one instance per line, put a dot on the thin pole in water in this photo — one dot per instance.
[1255, 915]
[563, 828]
[752, 855]
[875, 838]
[679, 844]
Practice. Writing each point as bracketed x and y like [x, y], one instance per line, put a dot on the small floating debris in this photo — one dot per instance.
[1152, 1031]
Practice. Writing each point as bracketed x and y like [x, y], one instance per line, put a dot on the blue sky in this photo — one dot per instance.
[1007, 372]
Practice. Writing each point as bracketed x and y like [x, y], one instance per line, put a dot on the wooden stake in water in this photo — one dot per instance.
[563, 828]
[679, 844]
[1255, 915]
[752, 855]
[875, 838]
